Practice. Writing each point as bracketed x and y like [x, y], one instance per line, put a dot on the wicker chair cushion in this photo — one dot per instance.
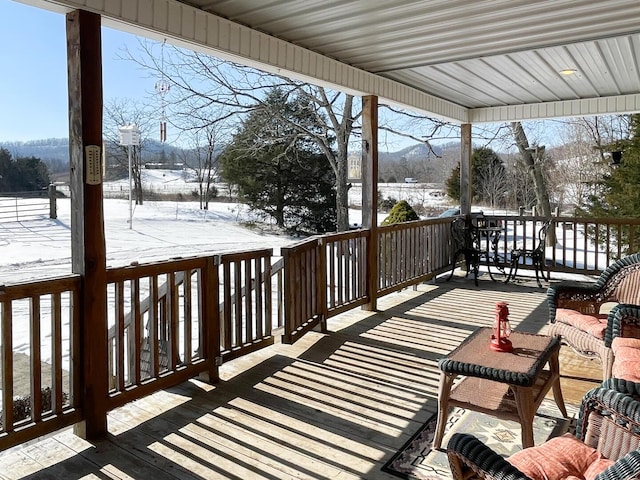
[626, 363]
[597, 467]
[592, 324]
[559, 459]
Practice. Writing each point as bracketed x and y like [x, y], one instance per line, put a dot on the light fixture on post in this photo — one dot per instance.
[129, 137]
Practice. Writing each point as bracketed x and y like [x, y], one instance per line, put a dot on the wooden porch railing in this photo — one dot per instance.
[162, 325]
[169, 321]
[246, 302]
[582, 245]
[39, 320]
[412, 252]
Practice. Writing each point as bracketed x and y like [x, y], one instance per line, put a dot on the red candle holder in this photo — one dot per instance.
[501, 329]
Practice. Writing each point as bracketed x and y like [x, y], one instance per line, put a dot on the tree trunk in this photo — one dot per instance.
[342, 193]
[533, 160]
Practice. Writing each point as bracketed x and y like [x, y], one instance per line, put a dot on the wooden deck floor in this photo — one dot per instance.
[332, 406]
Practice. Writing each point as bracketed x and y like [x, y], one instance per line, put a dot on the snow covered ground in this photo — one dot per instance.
[160, 230]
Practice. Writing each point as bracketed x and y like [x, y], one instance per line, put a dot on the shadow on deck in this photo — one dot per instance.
[332, 406]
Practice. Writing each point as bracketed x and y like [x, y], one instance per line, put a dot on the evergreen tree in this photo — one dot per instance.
[280, 172]
[23, 174]
[618, 194]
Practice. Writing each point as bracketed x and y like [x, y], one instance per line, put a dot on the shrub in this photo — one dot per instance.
[401, 212]
[387, 204]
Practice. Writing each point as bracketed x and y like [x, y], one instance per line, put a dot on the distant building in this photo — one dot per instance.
[354, 166]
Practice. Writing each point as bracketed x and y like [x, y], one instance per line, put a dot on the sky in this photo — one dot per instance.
[33, 82]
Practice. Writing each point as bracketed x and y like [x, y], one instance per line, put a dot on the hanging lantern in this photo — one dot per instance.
[501, 329]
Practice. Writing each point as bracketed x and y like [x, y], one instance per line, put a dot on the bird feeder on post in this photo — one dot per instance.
[129, 137]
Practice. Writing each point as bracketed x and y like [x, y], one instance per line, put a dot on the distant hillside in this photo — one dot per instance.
[54, 152]
[415, 161]
[47, 149]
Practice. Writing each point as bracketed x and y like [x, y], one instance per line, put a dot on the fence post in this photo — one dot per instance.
[321, 282]
[211, 317]
[53, 210]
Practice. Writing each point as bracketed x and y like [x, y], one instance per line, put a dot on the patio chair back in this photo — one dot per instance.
[537, 254]
[620, 282]
[608, 421]
[464, 240]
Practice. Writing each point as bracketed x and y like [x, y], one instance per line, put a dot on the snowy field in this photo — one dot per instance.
[41, 248]
[160, 230]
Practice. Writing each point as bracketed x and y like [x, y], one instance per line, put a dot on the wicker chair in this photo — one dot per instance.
[574, 310]
[608, 421]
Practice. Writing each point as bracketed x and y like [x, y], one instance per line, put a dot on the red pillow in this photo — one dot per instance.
[592, 324]
[555, 459]
[597, 467]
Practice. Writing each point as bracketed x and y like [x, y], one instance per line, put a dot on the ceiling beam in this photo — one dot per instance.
[613, 105]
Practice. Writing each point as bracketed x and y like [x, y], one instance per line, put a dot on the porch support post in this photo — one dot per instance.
[88, 251]
[370, 194]
[465, 169]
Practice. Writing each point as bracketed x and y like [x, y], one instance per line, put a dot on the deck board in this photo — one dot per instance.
[334, 405]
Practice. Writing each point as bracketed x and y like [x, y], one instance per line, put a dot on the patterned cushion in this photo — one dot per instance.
[626, 363]
[557, 459]
[592, 324]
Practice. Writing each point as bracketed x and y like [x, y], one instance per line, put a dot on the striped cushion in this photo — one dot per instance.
[626, 363]
[592, 324]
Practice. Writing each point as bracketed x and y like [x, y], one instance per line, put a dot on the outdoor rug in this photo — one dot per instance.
[417, 460]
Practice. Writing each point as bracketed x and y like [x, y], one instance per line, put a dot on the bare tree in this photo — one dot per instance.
[533, 158]
[494, 183]
[205, 142]
[579, 169]
[199, 82]
[118, 113]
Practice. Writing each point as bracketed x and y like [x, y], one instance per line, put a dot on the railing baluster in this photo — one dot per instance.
[56, 353]
[188, 317]
[248, 302]
[258, 292]
[7, 365]
[35, 357]
[119, 370]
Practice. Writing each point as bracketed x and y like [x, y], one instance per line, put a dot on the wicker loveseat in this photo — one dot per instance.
[605, 447]
[574, 310]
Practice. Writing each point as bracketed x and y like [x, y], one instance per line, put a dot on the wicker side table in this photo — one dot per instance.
[508, 386]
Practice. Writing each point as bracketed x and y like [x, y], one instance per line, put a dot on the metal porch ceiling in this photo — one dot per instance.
[470, 61]
[476, 54]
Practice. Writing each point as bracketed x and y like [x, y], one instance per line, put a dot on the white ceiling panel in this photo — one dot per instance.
[453, 56]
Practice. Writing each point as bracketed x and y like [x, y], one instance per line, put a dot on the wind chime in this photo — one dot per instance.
[162, 88]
